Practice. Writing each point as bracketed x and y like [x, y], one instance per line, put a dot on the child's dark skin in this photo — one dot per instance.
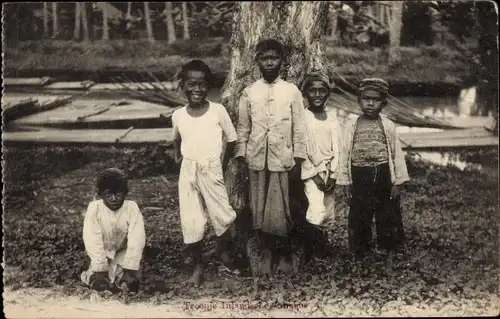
[317, 93]
[114, 199]
[371, 103]
[195, 87]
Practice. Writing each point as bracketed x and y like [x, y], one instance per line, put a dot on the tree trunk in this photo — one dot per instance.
[170, 22]
[78, 21]
[55, 20]
[185, 20]
[395, 25]
[333, 18]
[299, 26]
[45, 13]
[85, 22]
[488, 51]
[149, 27]
[105, 27]
[128, 17]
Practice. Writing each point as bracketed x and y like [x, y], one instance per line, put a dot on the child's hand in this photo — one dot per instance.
[330, 185]
[319, 182]
[346, 190]
[395, 191]
[99, 281]
[178, 159]
[130, 278]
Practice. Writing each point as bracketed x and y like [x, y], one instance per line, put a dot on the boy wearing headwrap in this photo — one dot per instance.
[272, 141]
[372, 169]
[113, 234]
[319, 170]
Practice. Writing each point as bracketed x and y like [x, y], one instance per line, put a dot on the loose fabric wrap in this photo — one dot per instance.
[375, 84]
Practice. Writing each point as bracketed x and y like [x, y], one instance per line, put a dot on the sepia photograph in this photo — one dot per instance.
[250, 159]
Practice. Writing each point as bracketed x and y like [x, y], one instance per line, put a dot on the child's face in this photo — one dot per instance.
[316, 94]
[195, 87]
[113, 199]
[371, 103]
[269, 62]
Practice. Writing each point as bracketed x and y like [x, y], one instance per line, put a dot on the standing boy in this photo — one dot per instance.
[113, 234]
[324, 132]
[200, 129]
[272, 141]
[372, 170]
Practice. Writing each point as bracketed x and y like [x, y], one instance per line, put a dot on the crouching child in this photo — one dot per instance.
[114, 235]
[319, 170]
[371, 171]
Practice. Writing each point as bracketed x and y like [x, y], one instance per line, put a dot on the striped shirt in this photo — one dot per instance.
[369, 145]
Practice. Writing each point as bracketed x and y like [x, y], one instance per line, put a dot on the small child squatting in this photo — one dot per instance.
[272, 142]
[372, 168]
[113, 234]
[200, 129]
[319, 170]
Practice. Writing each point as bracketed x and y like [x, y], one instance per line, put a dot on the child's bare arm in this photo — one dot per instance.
[400, 169]
[92, 239]
[177, 140]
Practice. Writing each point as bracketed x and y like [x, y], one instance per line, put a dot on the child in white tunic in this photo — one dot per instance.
[319, 170]
[113, 234]
[200, 130]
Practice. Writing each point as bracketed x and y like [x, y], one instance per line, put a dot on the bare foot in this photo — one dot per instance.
[285, 265]
[197, 277]
[267, 263]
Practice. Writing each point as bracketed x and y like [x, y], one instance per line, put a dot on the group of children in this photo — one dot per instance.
[279, 140]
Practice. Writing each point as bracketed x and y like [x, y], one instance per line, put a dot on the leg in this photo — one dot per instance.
[382, 206]
[222, 215]
[360, 212]
[196, 251]
[316, 212]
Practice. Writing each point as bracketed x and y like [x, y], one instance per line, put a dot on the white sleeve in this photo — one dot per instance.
[136, 239]
[226, 124]
[92, 238]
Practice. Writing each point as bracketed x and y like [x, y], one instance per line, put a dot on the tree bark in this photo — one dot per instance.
[78, 21]
[170, 22]
[395, 25]
[299, 26]
[487, 91]
[105, 26]
[55, 20]
[85, 22]
[147, 20]
[185, 20]
[128, 17]
[333, 18]
[45, 13]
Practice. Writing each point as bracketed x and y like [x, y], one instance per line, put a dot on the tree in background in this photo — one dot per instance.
[85, 22]
[105, 25]
[169, 20]
[147, 20]
[78, 20]
[185, 21]
[395, 24]
[45, 14]
[55, 20]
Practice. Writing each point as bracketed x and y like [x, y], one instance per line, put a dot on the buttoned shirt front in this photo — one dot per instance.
[271, 128]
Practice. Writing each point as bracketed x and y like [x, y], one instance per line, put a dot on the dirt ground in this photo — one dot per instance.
[450, 269]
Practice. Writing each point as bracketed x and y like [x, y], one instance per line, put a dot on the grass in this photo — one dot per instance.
[427, 64]
[450, 216]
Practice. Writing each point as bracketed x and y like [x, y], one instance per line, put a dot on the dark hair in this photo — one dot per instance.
[268, 45]
[195, 65]
[113, 179]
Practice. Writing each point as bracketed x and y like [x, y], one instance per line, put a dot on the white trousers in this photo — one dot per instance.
[202, 193]
[321, 205]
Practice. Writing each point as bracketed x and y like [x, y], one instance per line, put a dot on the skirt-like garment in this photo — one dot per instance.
[269, 202]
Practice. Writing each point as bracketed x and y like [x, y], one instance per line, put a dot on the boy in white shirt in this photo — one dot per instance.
[319, 170]
[113, 234]
[200, 130]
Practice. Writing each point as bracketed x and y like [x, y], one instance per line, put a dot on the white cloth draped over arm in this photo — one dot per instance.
[93, 240]
[336, 141]
[136, 239]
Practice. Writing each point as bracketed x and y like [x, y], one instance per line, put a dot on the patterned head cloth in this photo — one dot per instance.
[112, 178]
[374, 84]
[315, 76]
